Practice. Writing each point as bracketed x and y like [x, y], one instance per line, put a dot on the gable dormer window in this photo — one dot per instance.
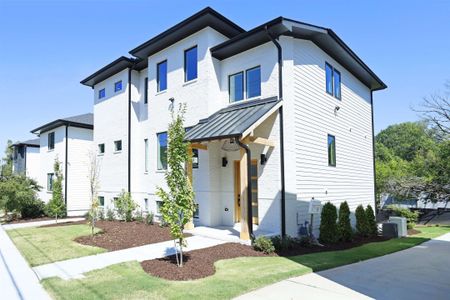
[190, 64]
[161, 76]
[118, 86]
[51, 141]
[333, 81]
[101, 94]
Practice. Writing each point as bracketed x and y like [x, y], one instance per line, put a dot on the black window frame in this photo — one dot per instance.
[331, 79]
[146, 90]
[330, 159]
[229, 86]
[51, 141]
[163, 168]
[116, 143]
[50, 179]
[333, 85]
[246, 82]
[115, 86]
[101, 148]
[158, 79]
[101, 200]
[100, 96]
[146, 155]
[185, 64]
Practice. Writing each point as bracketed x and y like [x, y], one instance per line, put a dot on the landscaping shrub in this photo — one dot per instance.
[263, 244]
[149, 218]
[283, 243]
[344, 226]
[110, 214]
[372, 229]
[328, 226]
[411, 216]
[101, 214]
[306, 242]
[56, 208]
[32, 208]
[361, 221]
[125, 207]
[139, 216]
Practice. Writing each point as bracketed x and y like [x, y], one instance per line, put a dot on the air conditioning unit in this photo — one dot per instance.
[401, 225]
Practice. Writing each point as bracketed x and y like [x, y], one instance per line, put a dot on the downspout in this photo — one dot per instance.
[373, 157]
[65, 166]
[280, 112]
[249, 187]
[129, 129]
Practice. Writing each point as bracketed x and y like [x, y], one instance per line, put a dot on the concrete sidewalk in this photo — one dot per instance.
[17, 279]
[39, 223]
[74, 268]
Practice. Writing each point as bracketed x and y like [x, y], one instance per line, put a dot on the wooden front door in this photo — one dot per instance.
[237, 188]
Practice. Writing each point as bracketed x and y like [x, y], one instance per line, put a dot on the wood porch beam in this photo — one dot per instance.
[199, 146]
[244, 234]
[258, 140]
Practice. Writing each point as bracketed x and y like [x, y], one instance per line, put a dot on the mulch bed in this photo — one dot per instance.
[118, 235]
[413, 231]
[18, 221]
[197, 263]
[357, 241]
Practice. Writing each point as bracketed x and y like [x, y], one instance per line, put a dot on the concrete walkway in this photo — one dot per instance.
[420, 272]
[74, 268]
[17, 279]
[39, 223]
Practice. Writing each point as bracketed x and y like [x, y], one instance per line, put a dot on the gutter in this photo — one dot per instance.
[373, 157]
[129, 128]
[280, 112]
[249, 186]
[65, 166]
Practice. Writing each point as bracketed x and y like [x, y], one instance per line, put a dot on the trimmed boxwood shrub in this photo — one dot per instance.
[361, 221]
[344, 225]
[328, 226]
[32, 208]
[263, 244]
[372, 229]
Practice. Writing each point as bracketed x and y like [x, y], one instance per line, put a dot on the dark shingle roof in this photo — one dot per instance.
[231, 121]
[31, 143]
[82, 121]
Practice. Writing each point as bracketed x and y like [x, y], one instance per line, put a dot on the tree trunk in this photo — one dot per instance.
[181, 252]
[176, 252]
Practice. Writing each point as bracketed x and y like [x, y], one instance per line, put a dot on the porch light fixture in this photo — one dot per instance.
[230, 145]
[263, 159]
[224, 161]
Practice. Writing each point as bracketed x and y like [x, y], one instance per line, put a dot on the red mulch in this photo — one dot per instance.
[357, 241]
[118, 235]
[197, 263]
[413, 231]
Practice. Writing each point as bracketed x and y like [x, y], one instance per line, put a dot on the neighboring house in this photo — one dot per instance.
[292, 96]
[70, 141]
[26, 158]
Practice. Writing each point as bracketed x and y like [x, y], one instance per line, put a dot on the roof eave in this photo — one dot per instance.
[112, 68]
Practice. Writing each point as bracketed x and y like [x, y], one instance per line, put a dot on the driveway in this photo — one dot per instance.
[421, 272]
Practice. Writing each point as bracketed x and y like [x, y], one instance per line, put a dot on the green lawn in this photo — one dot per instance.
[49, 244]
[233, 277]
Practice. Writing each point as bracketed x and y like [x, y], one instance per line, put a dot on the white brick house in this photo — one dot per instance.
[70, 141]
[294, 94]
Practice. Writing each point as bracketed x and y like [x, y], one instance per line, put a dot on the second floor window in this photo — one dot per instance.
[162, 150]
[51, 141]
[161, 76]
[101, 148]
[118, 146]
[253, 78]
[146, 155]
[331, 150]
[101, 94]
[332, 81]
[50, 181]
[236, 87]
[146, 90]
[118, 86]
[190, 64]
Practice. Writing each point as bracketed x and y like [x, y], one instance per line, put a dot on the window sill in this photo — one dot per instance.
[190, 82]
[161, 92]
[244, 100]
[101, 154]
[49, 192]
[50, 150]
[161, 171]
[117, 152]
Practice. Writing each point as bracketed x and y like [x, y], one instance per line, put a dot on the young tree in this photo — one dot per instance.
[344, 226]
[56, 207]
[178, 202]
[94, 171]
[6, 164]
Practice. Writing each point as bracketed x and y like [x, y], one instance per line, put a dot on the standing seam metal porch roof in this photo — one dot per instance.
[231, 121]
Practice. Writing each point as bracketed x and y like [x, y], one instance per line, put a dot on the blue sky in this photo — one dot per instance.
[47, 47]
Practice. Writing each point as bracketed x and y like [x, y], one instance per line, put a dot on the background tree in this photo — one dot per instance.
[56, 207]
[17, 193]
[178, 202]
[94, 171]
[6, 164]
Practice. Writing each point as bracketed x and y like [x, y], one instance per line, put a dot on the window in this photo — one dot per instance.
[51, 141]
[190, 64]
[331, 150]
[50, 181]
[118, 86]
[196, 211]
[101, 148]
[161, 76]
[118, 146]
[159, 204]
[337, 84]
[101, 200]
[333, 81]
[146, 155]
[101, 94]
[146, 90]
[195, 158]
[253, 79]
[162, 150]
[146, 204]
[236, 87]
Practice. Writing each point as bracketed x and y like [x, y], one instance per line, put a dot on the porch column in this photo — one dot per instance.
[243, 194]
[190, 224]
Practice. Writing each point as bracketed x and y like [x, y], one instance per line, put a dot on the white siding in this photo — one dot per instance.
[33, 162]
